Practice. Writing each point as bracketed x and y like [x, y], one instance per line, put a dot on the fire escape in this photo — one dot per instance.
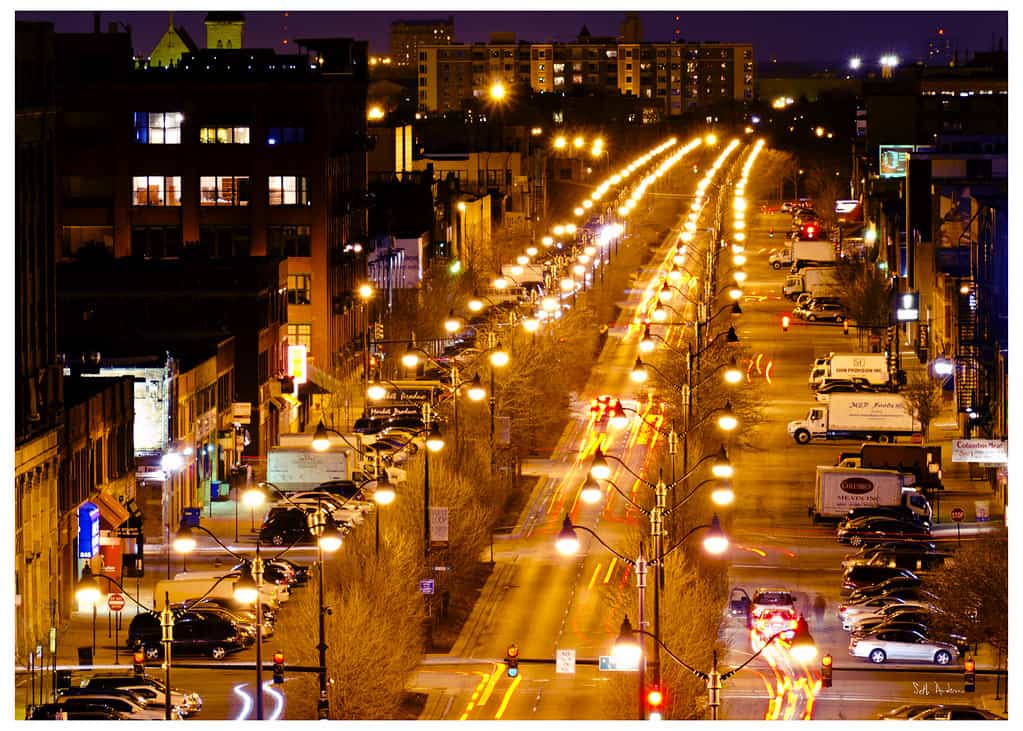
[976, 347]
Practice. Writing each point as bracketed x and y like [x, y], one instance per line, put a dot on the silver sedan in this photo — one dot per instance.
[905, 645]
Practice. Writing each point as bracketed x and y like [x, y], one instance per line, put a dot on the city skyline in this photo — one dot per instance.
[865, 34]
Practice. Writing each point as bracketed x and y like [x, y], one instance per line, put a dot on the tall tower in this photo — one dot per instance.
[631, 30]
[224, 30]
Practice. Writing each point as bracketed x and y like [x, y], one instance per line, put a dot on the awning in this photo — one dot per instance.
[276, 402]
[111, 513]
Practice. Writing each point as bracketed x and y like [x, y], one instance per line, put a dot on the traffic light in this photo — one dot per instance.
[785, 323]
[278, 660]
[654, 703]
[378, 330]
[511, 659]
[845, 326]
[969, 675]
[138, 663]
[826, 669]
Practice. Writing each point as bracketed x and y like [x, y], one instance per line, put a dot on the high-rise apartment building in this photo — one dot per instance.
[674, 77]
[408, 35]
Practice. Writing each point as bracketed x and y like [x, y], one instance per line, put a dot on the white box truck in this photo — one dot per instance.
[183, 588]
[812, 251]
[817, 281]
[840, 489]
[872, 366]
[863, 416]
[297, 468]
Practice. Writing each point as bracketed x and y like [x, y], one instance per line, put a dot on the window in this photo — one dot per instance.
[155, 242]
[158, 128]
[223, 190]
[224, 135]
[220, 241]
[288, 241]
[76, 238]
[156, 190]
[288, 190]
[300, 333]
[88, 191]
[285, 135]
[299, 289]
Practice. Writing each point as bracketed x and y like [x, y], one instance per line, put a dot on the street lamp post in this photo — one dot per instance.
[715, 542]
[802, 647]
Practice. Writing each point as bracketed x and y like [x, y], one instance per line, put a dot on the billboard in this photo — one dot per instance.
[893, 160]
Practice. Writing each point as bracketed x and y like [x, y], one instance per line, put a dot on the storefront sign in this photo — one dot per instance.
[992, 451]
[88, 530]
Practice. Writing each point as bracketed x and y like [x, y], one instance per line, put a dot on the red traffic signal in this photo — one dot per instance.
[278, 669]
[138, 663]
[969, 675]
[654, 698]
[826, 669]
[809, 231]
[785, 320]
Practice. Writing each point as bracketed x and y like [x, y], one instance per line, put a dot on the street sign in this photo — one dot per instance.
[426, 586]
[438, 527]
[958, 514]
[607, 663]
[565, 662]
[115, 602]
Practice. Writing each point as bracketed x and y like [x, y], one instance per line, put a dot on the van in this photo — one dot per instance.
[202, 581]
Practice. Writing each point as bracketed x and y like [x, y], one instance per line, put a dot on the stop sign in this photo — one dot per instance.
[115, 602]
[958, 514]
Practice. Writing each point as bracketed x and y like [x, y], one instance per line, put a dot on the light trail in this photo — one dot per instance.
[610, 569]
[490, 685]
[593, 579]
[507, 697]
[246, 702]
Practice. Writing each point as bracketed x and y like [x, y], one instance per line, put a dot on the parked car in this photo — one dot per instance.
[902, 645]
[368, 425]
[895, 582]
[906, 711]
[857, 577]
[872, 529]
[824, 311]
[805, 304]
[240, 608]
[246, 627]
[244, 616]
[189, 703]
[300, 571]
[114, 700]
[74, 712]
[915, 562]
[850, 612]
[950, 712]
[342, 488]
[414, 423]
[194, 634]
[284, 526]
[892, 511]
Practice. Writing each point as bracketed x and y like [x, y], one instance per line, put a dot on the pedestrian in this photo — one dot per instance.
[820, 604]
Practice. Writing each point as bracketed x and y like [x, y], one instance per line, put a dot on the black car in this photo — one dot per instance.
[858, 577]
[406, 422]
[74, 711]
[242, 609]
[902, 587]
[284, 526]
[368, 425]
[194, 634]
[913, 561]
[873, 529]
[891, 511]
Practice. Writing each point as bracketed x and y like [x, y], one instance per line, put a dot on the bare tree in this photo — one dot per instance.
[924, 396]
[973, 590]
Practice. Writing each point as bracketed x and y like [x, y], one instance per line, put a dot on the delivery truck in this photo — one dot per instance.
[841, 489]
[864, 415]
[817, 281]
[183, 588]
[923, 462]
[296, 468]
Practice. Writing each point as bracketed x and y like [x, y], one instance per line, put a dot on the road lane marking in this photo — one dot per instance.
[490, 686]
[507, 696]
[593, 579]
[610, 569]
[472, 700]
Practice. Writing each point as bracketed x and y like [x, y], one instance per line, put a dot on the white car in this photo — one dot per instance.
[901, 645]
[148, 688]
[849, 613]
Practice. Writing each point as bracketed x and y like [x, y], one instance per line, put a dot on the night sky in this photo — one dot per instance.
[826, 37]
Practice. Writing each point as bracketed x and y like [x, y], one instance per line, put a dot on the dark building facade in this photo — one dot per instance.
[231, 153]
